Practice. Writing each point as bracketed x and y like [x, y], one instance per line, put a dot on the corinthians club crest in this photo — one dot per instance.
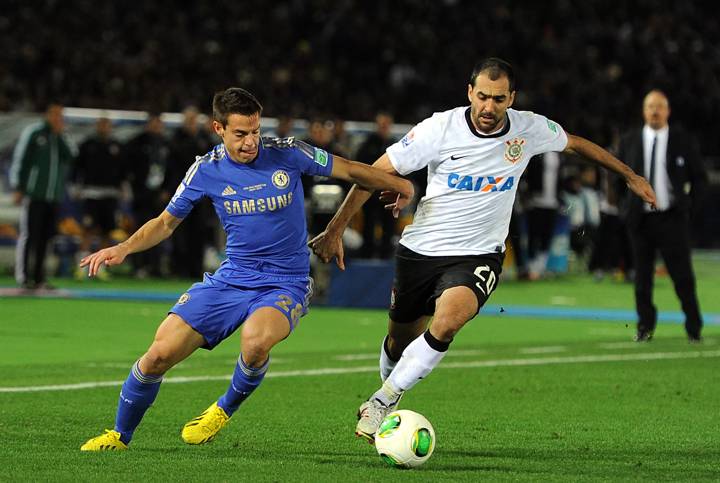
[514, 150]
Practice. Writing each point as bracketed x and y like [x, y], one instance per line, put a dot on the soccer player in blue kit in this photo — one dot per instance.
[263, 285]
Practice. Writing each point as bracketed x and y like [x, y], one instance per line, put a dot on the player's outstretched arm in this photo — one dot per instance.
[328, 244]
[381, 175]
[590, 150]
[147, 236]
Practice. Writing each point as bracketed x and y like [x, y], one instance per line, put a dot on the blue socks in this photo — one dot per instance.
[137, 394]
[244, 381]
[140, 390]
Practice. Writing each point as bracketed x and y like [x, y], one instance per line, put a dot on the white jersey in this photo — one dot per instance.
[472, 178]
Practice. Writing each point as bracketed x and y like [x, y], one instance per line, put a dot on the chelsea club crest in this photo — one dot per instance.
[514, 150]
[280, 179]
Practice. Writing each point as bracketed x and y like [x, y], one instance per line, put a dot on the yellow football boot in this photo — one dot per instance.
[204, 428]
[110, 441]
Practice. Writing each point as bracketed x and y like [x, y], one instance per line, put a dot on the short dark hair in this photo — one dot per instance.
[234, 100]
[495, 68]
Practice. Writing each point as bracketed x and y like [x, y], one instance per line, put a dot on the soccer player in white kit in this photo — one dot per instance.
[449, 259]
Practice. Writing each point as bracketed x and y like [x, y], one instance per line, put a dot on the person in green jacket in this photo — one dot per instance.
[40, 164]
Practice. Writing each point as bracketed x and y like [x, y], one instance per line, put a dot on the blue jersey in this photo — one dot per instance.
[260, 204]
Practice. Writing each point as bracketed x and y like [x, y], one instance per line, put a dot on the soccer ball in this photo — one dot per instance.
[405, 439]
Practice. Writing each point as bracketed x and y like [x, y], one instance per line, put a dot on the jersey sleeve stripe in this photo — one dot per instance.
[191, 172]
[306, 148]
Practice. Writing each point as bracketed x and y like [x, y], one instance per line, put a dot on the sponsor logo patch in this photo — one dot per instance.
[321, 157]
[408, 139]
[483, 184]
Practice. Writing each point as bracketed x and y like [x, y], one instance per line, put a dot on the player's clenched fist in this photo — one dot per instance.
[326, 246]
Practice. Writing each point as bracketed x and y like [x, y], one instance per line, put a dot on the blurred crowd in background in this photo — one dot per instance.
[583, 64]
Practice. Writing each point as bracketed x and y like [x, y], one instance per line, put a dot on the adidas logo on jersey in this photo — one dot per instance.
[229, 191]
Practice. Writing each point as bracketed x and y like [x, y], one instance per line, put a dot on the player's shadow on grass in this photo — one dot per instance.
[357, 459]
[651, 463]
[473, 453]
[366, 455]
[625, 462]
[477, 461]
[627, 453]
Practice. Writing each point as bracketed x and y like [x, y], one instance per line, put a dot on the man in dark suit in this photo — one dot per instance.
[671, 161]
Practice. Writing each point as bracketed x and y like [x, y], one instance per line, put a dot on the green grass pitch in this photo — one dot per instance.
[516, 399]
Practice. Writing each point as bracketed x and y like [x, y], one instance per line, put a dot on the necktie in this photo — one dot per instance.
[652, 163]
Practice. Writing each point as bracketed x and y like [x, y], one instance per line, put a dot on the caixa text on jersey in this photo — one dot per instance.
[484, 184]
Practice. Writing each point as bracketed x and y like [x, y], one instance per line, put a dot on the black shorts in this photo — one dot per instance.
[420, 279]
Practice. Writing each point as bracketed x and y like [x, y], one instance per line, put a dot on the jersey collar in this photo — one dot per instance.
[505, 129]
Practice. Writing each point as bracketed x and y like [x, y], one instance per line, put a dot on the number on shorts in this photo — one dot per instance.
[489, 281]
[284, 303]
[295, 314]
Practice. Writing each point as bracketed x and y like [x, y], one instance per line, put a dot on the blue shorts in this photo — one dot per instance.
[216, 308]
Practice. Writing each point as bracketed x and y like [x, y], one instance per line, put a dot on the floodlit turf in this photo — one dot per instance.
[516, 399]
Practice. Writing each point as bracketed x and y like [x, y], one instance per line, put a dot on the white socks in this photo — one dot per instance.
[386, 364]
[417, 361]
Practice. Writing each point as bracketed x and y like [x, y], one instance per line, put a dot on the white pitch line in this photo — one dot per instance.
[374, 356]
[647, 356]
[619, 345]
[356, 357]
[542, 350]
[562, 300]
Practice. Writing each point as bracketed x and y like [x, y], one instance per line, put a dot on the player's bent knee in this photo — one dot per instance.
[444, 334]
[156, 361]
[174, 340]
[256, 347]
[256, 337]
[255, 355]
[261, 332]
[445, 329]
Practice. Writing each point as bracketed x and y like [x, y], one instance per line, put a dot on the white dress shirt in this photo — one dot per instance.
[661, 184]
